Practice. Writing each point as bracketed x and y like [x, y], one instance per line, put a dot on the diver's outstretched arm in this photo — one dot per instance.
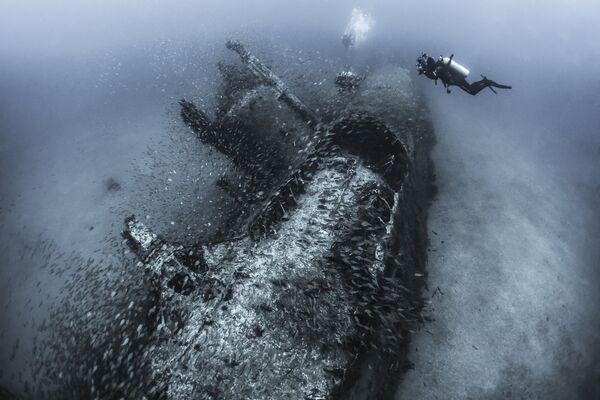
[476, 87]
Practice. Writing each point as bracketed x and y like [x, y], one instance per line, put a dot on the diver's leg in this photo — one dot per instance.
[476, 87]
[495, 84]
[472, 88]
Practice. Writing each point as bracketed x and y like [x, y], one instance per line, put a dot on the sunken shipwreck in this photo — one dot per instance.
[312, 287]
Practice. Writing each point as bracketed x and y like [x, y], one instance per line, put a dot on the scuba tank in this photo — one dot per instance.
[455, 67]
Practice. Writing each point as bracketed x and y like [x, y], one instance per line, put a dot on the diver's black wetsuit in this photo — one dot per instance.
[348, 40]
[441, 70]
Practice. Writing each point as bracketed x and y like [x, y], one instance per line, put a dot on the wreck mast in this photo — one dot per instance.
[266, 76]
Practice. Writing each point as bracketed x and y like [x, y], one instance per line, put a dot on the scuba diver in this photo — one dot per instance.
[348, 40]
[452, 73]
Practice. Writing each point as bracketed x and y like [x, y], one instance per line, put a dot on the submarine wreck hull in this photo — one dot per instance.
[312, 288]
